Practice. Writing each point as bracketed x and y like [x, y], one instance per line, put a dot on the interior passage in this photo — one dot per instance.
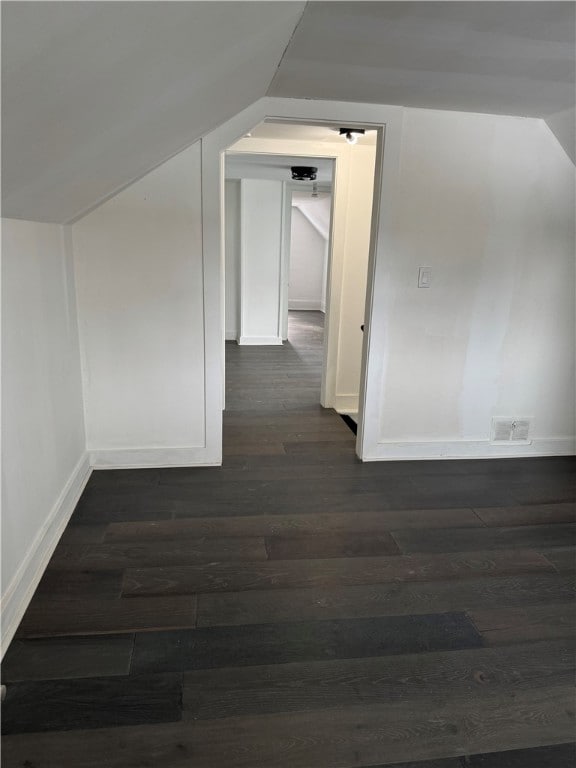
[296, 608]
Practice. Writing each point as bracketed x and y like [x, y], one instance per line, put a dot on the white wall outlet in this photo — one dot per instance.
[424, 277]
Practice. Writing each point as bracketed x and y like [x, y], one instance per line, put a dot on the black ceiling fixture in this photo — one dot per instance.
[351, 134]
[303, 173]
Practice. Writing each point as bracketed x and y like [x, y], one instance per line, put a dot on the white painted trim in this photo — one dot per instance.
[260, 340]
[143, 458]
[375, 348]
[19, 592]
[285, 249]
[471, 449]
[231, 335]
[346, 403]
[306, 304]
[213, 268]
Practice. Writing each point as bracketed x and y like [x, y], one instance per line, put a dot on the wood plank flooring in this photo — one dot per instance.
[296, 608]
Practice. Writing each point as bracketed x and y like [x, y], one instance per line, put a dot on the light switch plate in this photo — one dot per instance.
[424, 277]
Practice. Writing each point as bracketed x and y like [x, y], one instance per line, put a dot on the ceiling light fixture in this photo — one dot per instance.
[303, 173]
[351, 134]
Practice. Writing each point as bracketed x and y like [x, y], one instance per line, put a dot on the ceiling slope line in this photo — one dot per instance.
[271, 83]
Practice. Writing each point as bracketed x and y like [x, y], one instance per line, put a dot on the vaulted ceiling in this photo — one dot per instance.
[511, 58]
[95, 94]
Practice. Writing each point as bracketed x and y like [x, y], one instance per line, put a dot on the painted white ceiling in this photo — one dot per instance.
[258, 166]
[95, 94]
[270, 129]
[515, 58]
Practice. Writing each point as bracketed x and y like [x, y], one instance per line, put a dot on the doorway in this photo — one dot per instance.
[343, 222]
[382, 120]
[277, 253]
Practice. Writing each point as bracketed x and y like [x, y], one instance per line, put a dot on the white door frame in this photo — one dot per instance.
[214, 145]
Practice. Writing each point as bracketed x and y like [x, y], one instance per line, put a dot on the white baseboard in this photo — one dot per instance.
[347, 404]
[231, 335]
[306, 304]
[19, 592]
[150, 458]
[260, 340]
[470, 449]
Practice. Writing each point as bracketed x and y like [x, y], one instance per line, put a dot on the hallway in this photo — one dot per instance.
[296, 608]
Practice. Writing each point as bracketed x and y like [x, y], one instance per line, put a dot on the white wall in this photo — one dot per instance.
[488, 203]
[139, 278]
[260, 261]
[44, 464]
[308, 252]
[232, 258]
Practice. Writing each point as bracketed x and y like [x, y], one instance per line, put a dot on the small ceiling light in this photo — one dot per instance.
[303, 173]
[351, 134]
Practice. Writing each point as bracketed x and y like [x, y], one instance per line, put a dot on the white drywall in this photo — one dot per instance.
[511, 58]
[260, 261]
[308, 253]
[139, 277]
[232, 258]
[488, 203]
[318, 210]
[44, 464]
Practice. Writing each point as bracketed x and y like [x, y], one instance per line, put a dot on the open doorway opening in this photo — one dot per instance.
[296, 263]
[277, 246]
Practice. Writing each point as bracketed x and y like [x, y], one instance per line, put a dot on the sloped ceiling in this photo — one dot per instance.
[513, 58]
[97, 93]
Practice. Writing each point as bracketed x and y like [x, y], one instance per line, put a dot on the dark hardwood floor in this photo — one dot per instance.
[296, 608]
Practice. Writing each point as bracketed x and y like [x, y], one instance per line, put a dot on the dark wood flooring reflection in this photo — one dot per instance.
[295, 608]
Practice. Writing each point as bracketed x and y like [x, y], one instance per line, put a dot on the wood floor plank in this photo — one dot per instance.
[299, 524]
[82, 534]
[555, 756]
[346, 447]
[149, 554]
[63, 657]
[330, 545]
[392, 599]
[536, 514]
[463, 540]
[450, 762]
[84, 583]
[564, 560]
[64, 705]
[521, 624]
[354, 737]
[281, 574]
[47, 617]
[218, 647]
[215, 693]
